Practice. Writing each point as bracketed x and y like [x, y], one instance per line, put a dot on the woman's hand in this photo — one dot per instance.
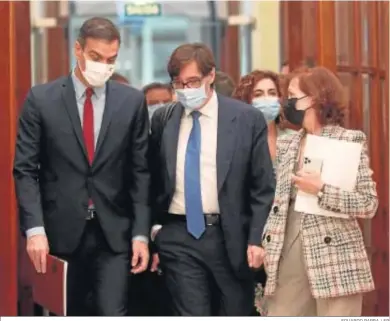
[310, 183]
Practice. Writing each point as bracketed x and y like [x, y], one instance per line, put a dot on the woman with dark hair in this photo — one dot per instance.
[119, 78]
[261, 89]
[317, 265]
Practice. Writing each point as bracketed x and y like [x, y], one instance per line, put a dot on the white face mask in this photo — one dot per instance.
[97, 73]
[154, 107]
[192, 98]
[269, 106]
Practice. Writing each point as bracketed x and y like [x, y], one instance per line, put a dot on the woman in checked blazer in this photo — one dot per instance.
[317, 265]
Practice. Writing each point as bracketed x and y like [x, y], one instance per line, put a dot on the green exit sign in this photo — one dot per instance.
[142, 9]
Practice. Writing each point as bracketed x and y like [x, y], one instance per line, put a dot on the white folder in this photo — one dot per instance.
[340, 164]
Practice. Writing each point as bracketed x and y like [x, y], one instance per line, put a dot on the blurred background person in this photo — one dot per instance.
[148, 293]
[224, 84]
[317, 265]
[262, 90]
[149, 296]
[119, 78]
[285, 70]
[157, 95]
[308, 62]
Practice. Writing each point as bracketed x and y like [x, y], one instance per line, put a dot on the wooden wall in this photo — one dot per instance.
[15, 82]
[57, 43]
[230, 45]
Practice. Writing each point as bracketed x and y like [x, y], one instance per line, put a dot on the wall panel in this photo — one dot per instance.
[15, 81]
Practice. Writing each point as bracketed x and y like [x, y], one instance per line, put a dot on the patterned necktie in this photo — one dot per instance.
[88, 131]
[192, 190]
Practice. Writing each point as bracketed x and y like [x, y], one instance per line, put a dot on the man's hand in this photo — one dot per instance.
[140, 260]
[155, 262]
[255, 256]
[37, 250]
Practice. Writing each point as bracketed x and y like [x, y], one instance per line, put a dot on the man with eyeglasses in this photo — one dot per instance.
[213, 186]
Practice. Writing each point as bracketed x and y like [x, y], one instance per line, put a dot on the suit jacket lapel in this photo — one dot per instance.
[226, 139]
[287, 166]
[110, 105]
[69, 97]
[170, 140]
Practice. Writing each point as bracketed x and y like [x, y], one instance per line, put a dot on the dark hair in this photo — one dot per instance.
[326, 90]
[120, 78]
[223, 83]
[309, 62]
[244, 89]
[98, 28]
[157, 85]
[188, 53]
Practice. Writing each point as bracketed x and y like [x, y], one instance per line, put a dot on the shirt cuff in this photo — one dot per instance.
[153, 232]
[39, 230]
[141, 238]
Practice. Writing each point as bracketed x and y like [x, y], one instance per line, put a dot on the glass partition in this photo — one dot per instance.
[147, 45]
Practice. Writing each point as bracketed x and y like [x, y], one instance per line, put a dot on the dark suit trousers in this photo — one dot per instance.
[198, 273]
[97, 277]
[148, 295]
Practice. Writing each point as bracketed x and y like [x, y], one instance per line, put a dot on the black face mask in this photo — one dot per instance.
[292, 114]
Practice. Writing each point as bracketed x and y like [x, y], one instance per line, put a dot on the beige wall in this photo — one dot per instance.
[266, 35]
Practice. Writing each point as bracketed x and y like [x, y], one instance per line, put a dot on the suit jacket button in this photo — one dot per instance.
[327, 239]
[268, 238]
[276, 209]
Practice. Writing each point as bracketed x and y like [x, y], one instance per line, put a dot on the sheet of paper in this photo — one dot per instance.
[340, 168]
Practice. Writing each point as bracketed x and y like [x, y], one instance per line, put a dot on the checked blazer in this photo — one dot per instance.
[333, 248]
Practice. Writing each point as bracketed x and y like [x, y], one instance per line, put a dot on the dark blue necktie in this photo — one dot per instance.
[193, 197]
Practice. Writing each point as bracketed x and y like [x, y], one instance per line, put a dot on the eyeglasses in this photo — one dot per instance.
[192, 83]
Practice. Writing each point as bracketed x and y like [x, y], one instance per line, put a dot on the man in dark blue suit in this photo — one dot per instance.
[81, 175]
[213, 187]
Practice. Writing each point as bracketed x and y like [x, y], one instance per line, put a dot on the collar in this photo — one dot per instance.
[80, 88]
[208, 110]
[326, 131]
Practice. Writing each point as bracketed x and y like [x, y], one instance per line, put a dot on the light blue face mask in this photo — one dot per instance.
[154, 107]
[269, 106]
[192, 98]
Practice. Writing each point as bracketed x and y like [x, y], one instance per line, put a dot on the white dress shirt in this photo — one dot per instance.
[208, 160]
